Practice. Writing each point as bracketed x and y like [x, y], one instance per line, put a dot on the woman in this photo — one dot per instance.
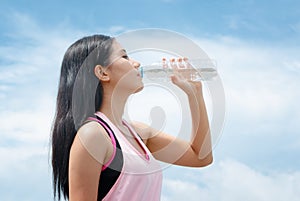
[96, 155]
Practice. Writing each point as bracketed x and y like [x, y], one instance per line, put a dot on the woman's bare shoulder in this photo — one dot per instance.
[142, 129]
[93, 129]
[92, 137]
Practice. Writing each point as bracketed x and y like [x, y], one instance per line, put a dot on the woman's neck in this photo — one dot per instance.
[113, 105]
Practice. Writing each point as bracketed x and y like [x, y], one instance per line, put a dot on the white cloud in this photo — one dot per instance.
[28, 80]
[293, 66]
[259, 80]
[231, 180]
[116, 29]
[31, 125]
[236, 22]
[183, 190]
[262, 114]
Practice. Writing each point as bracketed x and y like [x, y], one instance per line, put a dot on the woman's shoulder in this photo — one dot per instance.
[142, 129]
[93, 138]
[92, 130]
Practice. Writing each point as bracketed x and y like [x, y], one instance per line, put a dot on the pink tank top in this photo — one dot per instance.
[141, 175]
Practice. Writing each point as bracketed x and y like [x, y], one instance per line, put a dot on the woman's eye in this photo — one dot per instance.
[125, 57]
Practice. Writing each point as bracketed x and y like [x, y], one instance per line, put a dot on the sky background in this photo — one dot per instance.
[256, 45]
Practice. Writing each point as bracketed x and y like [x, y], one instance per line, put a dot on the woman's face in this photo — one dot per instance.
[123, 71]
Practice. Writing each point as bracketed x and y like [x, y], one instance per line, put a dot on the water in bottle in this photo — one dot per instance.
[194, 70]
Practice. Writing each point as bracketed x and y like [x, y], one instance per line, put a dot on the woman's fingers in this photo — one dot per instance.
[181, 75]
[187, 63]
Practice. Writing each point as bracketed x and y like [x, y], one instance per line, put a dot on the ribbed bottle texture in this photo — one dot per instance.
[194, 70]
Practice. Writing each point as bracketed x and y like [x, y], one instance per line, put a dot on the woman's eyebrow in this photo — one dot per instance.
[121, 52]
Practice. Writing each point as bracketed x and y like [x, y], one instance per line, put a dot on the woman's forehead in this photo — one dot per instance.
[117, 51]
[117, 47]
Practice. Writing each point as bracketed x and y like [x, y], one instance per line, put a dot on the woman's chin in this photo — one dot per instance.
[139, 89]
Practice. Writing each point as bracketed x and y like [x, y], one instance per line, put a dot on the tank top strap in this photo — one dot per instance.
[138, 139]
[111, 135]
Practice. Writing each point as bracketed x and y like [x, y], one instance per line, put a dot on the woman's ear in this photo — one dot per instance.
[101, 74]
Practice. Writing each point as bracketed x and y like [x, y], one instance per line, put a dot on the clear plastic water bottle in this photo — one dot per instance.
[194, 70]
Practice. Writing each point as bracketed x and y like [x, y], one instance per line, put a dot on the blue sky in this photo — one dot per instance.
[255, 43]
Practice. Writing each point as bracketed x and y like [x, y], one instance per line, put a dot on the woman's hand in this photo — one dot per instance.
[181, 76]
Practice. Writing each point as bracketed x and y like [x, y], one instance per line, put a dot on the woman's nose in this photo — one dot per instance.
[136, 64]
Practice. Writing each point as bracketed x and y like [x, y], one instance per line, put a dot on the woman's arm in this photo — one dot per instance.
[195, 153]
[86, 161]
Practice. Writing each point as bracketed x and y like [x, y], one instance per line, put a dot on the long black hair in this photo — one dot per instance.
[77, 83]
